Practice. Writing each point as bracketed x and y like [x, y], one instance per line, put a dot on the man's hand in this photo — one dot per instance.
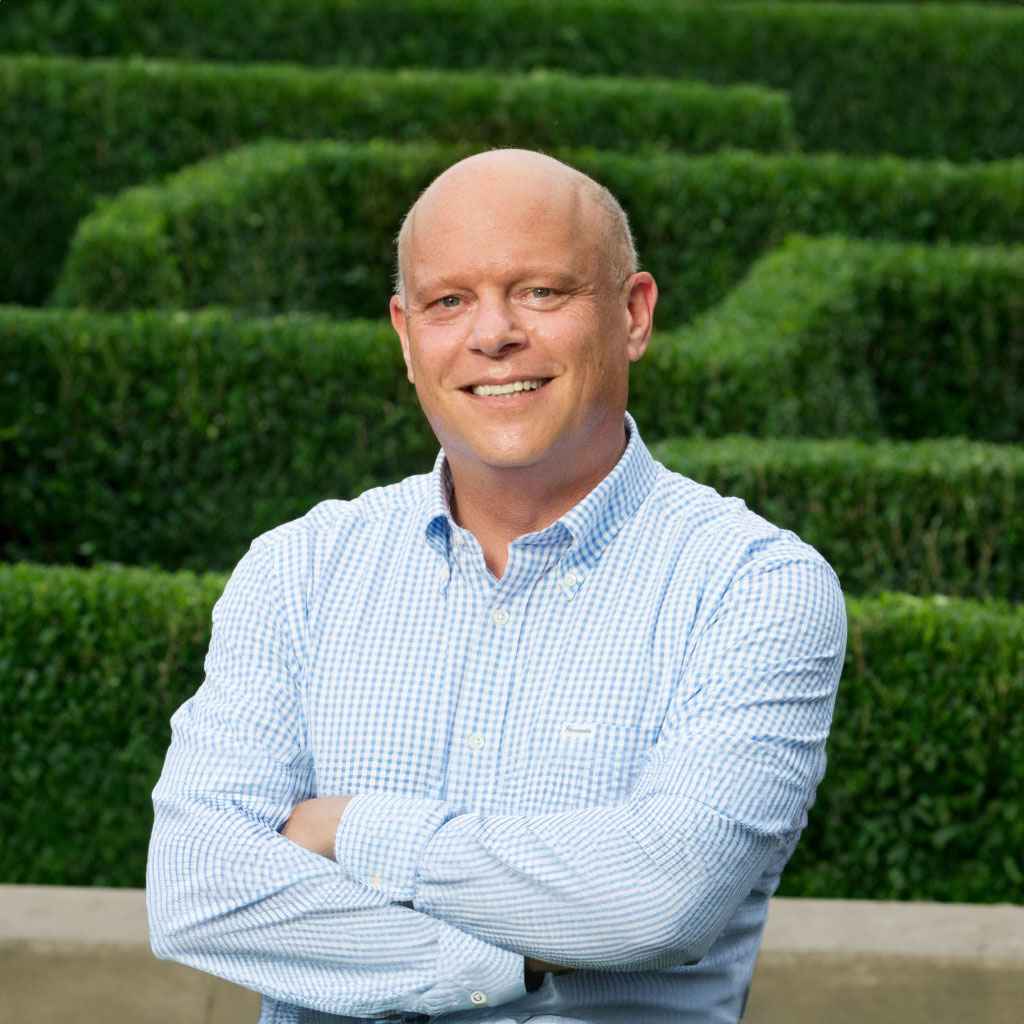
[314, 823]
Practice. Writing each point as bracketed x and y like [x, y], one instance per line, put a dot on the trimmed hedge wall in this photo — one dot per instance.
[831, 337]
[961, 3]
[923, 517]
[72, 130]
[914, 80]
[925, 783]
[921, 800]
[282, 226]
[172, 440]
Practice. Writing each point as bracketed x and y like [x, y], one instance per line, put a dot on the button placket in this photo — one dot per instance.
[489, 667]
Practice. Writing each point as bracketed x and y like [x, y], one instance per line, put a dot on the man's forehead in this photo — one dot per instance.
[499, 205]
[509, 249]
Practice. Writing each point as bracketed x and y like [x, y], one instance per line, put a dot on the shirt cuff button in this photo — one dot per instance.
[375, 881]
[479, 998]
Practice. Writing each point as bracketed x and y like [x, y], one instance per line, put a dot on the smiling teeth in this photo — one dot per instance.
[507, 389]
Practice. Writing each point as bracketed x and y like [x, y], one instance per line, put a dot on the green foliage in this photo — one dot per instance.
[155, 439]
[94, 664]
[922, 798]
[959, 3]
[275, 226]
[72, 130]
[922, 517]
[912, 79]
[921, 801]
[830, 337]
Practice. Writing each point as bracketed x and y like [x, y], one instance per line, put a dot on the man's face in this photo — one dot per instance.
[507, 280]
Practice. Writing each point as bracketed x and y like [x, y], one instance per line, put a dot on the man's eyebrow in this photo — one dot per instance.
[563, 278]
[435, 284]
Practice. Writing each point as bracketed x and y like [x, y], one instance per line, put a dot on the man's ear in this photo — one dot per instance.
[402, 330]
[641, 298]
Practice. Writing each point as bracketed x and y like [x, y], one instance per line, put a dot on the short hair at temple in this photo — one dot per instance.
[618, 236]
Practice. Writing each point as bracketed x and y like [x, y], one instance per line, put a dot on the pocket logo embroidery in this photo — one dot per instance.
[576, 732]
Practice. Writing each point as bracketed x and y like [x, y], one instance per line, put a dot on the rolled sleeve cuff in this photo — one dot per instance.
[489, 975]
[381, 838]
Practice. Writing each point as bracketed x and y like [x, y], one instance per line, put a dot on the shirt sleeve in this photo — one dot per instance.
[652, 881]
[229, 895]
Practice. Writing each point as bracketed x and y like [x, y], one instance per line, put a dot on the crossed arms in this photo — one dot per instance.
[638, 885]
[314, 826]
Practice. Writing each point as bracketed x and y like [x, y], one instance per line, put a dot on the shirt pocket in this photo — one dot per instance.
[585, 763]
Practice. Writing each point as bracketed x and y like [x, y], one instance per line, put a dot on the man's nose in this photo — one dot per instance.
[496, 326]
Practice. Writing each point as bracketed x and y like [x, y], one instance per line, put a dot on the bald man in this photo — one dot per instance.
[529, 737]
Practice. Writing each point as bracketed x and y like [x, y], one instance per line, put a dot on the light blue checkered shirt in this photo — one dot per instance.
[603, 759]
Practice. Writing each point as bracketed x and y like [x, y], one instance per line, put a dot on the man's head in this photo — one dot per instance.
[516, 267]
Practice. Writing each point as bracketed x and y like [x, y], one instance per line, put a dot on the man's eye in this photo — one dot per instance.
[449, 301]
[541, 293]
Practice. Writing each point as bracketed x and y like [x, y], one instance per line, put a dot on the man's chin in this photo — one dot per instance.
[511, 462]
[514, 460]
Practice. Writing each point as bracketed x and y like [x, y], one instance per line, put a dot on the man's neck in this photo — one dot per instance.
[498, 506]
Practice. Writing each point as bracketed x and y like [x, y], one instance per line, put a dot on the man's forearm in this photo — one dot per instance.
[230, 896]
[313, 825]
[583, 890]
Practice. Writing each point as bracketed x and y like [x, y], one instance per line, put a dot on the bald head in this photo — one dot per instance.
[536, 183]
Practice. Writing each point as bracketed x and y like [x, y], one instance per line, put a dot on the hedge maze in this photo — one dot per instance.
[197, 211]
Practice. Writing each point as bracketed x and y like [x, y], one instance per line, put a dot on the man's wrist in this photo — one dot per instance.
[381, 838]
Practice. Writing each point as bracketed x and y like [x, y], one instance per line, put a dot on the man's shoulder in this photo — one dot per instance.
[334, 520]
[720, 530]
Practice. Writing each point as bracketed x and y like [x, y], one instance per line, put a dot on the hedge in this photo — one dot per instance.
[925, 779]
[72, 130]
[831, 337]
[170, 439]
[921, 800]
[913, 80]
[925, 517]
[282, 226]
[961, 3]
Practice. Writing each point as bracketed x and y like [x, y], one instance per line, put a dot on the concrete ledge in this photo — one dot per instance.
[82, 954]
[852, 961]
[79, 955]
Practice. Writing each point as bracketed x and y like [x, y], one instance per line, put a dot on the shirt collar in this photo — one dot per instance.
[590, 524]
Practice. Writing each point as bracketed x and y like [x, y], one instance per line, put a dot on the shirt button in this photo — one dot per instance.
[479, 998]
[476, 741]
[500, 616]
[375, 881]
[569, 579]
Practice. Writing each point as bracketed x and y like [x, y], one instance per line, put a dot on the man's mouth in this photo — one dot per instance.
[512, 388]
